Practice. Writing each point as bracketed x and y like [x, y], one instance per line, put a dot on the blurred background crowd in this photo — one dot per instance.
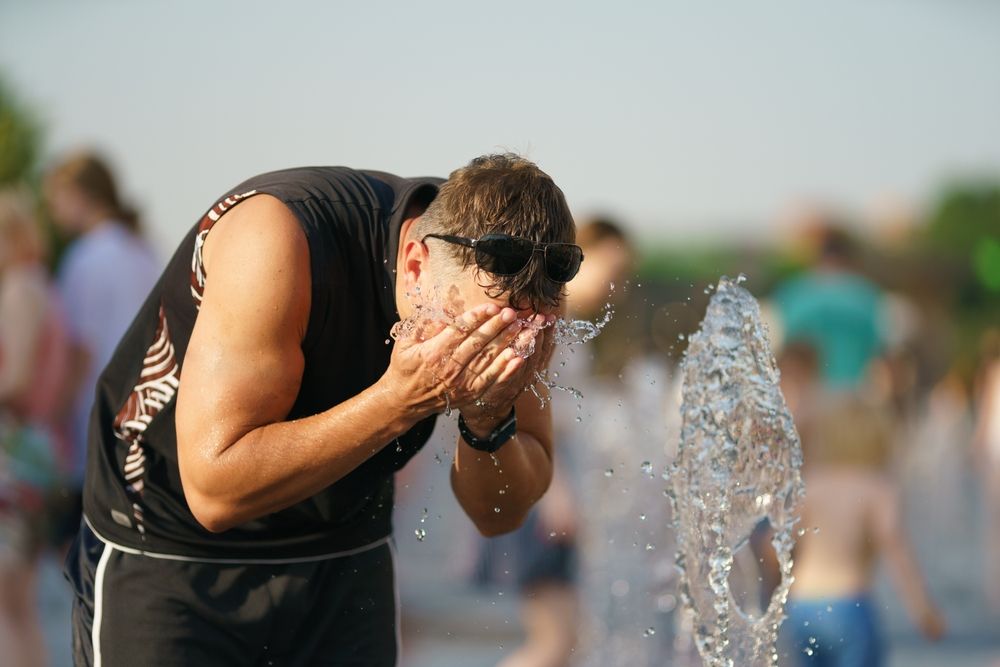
[846, 160]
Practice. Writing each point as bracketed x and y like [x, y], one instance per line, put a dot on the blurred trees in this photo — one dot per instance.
[965, 226]
[20, 139]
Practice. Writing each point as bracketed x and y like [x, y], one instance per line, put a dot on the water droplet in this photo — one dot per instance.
[497, 510]
[609, 472]
[649, 632]
[649, 547]
[420, 533]
[388, 341]
[647, 468]
[808, 651]
[642, 517]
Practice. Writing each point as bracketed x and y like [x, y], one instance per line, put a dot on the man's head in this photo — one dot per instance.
[493, 194]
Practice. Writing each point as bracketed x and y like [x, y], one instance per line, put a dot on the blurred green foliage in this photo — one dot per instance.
[20, 139]
[965, 226]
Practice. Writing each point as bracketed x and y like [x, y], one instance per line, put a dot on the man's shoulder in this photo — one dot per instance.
[299, 182]
[335, 183]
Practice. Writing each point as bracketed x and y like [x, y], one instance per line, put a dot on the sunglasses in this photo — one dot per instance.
[506, 255]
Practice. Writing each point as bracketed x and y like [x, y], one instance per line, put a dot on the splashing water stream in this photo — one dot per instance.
[737, 464]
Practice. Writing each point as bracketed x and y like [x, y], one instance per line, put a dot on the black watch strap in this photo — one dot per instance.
[506, 430]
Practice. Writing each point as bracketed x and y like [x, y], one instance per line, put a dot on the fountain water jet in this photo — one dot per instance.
[737, 464]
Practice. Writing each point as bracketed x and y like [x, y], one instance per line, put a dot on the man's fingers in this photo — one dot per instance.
[503, 367]
[464, 325]
[503, 325]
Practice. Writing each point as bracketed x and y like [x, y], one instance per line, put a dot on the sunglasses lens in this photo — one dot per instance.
[503, 255]
[562, 261]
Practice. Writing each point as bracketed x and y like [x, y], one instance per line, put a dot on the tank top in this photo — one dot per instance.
[132, 493]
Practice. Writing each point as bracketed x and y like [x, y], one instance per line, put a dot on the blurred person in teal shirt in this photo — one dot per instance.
[837, 311]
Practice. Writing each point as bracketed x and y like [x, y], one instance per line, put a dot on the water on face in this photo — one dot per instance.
[737, 464]
[432, 312]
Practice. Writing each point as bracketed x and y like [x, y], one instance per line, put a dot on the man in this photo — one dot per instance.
[239, 486]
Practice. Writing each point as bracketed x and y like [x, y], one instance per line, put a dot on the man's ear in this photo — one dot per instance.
[415, 262]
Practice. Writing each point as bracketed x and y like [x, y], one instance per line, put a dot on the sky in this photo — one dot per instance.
[686, 120]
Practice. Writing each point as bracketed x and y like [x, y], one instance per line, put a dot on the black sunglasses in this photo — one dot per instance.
[505, 255]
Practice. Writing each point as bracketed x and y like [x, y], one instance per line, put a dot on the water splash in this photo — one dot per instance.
[737, 464]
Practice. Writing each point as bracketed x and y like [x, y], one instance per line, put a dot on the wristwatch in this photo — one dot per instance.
[501, 434]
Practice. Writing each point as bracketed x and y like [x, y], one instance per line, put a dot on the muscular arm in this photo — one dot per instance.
[238, 458]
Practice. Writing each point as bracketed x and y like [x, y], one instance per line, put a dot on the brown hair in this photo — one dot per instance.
[91, 175]
[506, 194]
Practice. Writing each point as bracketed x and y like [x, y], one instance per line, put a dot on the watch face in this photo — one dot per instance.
[508, 429]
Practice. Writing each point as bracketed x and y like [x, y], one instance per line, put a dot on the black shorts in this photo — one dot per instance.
[131, 609]
[528, 558]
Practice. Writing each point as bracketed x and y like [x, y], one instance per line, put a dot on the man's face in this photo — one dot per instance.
[457, 290]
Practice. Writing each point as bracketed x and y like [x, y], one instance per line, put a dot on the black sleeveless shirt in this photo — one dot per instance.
[132, 493]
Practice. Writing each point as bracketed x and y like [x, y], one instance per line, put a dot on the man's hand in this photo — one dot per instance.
[495, 403]
[463, 364]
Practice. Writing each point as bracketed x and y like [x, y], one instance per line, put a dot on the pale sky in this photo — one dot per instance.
[686, 119]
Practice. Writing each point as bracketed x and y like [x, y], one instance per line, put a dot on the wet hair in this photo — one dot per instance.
[506, 194]
[91, 174]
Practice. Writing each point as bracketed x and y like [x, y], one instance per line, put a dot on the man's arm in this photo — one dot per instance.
[497, 491]
[513, 478]
[238, 458]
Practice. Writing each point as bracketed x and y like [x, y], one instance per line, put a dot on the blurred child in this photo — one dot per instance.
[852, 517]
